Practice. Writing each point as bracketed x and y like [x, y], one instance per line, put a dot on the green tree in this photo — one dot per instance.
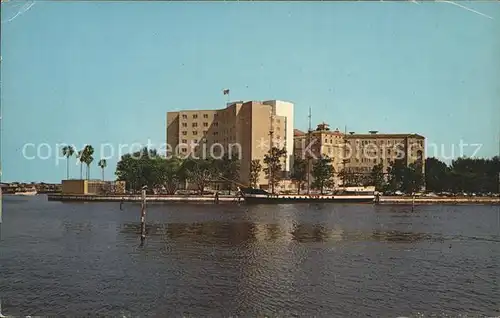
[494, 175]
[273, 169]
[323, 173]
[81, 159]
[255, 169]
[200, 172]
[413, 178]
[475, 175]
[396, 174]
[170, 174]
[102, 164]
[127, 169]
[377, 177]
[351, 178]
[88, 161]
[148, 161]
[299, 173]
[437, 175]
[364, 179]
[343, 175]
[229, 168]
[68, 151]
[87, 158]
[138, 169]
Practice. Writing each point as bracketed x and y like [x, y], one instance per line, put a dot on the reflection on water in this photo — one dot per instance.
[399, 236]
[72, 227]
[216, 232]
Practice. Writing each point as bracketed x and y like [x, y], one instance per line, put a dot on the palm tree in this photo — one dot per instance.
[67, 151]
[102, 164]
[85, 156]
[81, 158]
[88, 161]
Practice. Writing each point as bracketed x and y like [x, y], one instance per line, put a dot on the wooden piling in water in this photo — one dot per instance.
[1, 207]
[143, 216]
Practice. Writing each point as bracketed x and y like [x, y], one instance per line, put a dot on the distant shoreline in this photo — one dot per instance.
[408, 200]
[384, 200]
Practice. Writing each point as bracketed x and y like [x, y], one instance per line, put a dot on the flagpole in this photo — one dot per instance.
[309, 131]
[344, 161]
[227, 92]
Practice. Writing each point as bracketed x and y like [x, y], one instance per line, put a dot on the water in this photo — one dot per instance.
[227, 260]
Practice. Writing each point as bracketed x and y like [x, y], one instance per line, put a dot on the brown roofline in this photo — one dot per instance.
[193, 110]
[227, 106]
[298, 132]
[365, 136]
[354, 136]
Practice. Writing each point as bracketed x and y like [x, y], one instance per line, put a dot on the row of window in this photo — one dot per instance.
[374, 151]
[380, 142]
[195, 116]
[332, 140]
[227, 139]
[194, 132]
[364, 142]
[204, 124]
[185, 149]
[215, 133]
[387, 142]
[358, 159]
[184, 141]
[216, 124]
[184, 116]
[358, 169]
[364, 150]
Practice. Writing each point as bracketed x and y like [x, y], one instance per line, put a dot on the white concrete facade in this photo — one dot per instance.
[282, 108]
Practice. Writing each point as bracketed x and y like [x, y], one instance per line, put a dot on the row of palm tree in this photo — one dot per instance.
[84, 156]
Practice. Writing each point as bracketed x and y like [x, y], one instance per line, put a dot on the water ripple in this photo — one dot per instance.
[281, 261]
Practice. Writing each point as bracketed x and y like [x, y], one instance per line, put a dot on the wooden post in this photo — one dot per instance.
[143, 216]
[498, 185]
[412, 201]
[1, 207]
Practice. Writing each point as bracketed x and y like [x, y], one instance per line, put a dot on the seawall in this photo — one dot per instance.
[439, 200]
[138, 198]
[386, 200]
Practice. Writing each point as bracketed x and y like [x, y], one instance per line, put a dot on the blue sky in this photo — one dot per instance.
[107, 72]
